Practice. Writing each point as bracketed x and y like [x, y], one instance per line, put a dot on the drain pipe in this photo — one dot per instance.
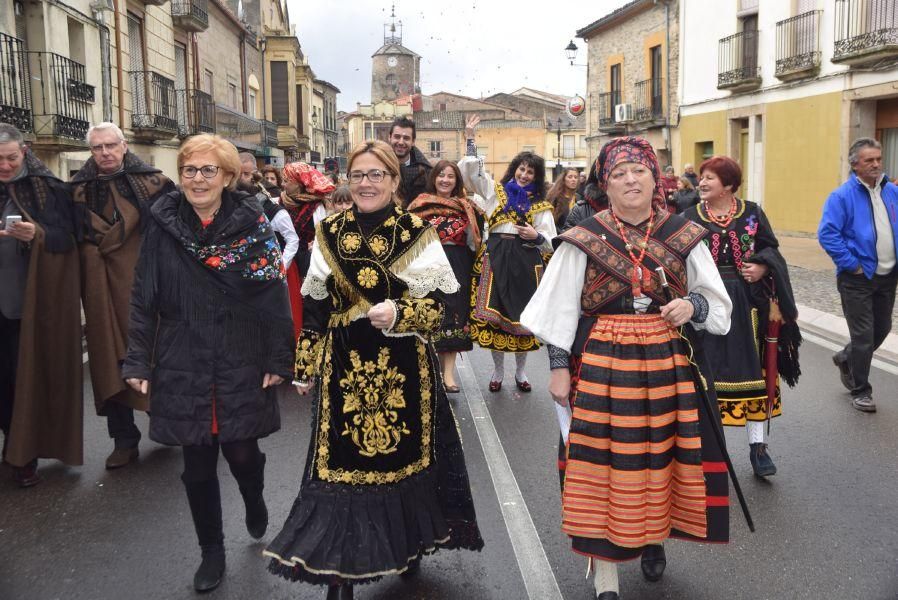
[104, 63]
[118, 64]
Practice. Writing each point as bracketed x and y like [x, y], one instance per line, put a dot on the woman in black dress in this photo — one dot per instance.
[756, 277]
[385, 480]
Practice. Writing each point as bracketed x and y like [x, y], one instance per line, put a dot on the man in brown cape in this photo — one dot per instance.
[112, 194]
[41, 399]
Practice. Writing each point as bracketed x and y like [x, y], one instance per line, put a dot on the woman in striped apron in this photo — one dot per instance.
[641, 463]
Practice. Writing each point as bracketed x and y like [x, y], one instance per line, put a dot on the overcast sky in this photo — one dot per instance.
[477, 47]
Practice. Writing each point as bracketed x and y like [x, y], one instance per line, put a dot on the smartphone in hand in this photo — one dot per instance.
[12, 220]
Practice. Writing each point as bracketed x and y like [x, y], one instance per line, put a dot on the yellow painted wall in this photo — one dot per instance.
[802, 162]
[801, 155]
[502, 145]
[706, 127]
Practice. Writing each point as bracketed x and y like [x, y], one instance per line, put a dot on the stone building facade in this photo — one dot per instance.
[633, 58]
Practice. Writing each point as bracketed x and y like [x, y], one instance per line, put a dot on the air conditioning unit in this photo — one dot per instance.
[623, 113]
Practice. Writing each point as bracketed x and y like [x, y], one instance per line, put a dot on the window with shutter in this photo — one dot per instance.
[280, 93]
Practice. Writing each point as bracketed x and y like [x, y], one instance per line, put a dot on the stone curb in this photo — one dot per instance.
[835, 329]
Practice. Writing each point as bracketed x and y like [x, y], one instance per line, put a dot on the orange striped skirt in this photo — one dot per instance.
[634, 471]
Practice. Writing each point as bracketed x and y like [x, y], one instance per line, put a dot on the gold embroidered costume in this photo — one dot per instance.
[373, 481]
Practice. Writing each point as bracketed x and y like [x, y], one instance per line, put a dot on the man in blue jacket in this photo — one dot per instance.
[859, 230]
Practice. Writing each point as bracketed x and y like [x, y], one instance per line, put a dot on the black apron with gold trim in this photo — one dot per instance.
[506, 271]
[385, 481]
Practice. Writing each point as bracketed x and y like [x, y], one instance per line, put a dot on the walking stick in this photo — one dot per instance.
[716, 427]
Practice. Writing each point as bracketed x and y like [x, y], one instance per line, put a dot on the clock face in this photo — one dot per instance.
[392, 61]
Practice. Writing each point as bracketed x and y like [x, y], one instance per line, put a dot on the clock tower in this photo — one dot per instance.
[395, 70]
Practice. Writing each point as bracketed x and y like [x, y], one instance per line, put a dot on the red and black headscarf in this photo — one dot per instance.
[629, 149]
[312, 179]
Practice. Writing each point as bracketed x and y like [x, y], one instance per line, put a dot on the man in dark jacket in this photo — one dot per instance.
[41, 405]
[859, 230]
[112, 195]
[413, 167]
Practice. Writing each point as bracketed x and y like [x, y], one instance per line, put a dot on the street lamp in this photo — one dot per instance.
[571, 51]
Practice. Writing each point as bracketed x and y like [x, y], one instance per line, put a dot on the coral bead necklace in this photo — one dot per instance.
[639, 277]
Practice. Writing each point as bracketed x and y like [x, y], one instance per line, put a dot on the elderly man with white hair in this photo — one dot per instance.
[112, 195]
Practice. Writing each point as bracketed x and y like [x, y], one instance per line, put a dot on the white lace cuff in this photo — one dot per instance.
[314, 287]
[426, 281]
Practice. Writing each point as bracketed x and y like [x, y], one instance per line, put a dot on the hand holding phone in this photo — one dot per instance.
[11, 221]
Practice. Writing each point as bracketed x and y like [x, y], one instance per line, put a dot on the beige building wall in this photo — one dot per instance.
[498, 145]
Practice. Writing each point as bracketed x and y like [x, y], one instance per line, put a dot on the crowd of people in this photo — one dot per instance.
[664, 302]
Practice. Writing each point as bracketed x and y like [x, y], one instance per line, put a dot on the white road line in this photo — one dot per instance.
[879, 364]
[539, 579]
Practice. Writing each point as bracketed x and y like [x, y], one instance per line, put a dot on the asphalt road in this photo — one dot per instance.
[826, 524]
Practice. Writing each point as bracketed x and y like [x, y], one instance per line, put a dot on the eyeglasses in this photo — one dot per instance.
[107, 147]
[374, 176]
[208, 171]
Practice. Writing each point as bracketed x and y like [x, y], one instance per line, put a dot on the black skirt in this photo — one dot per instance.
[735, 360]
[368, 527]
[508, 272]
[457, 335]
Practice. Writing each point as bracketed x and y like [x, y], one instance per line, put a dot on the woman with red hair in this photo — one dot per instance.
[746, 362]
[305, 190]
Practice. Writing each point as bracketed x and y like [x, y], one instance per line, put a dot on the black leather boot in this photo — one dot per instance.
[204, 498]
[654, 560]
[211, 570]
[341, 591]
[251, 484]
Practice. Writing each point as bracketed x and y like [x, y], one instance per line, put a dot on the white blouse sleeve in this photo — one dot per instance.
[428, 272]
[315, 283]
[553, 312]
[544, 223]
[319, 214]
[479, 182]
[704, 279]
[283, 224]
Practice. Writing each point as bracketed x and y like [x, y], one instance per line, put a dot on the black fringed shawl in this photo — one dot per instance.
[47, 199]
[778, 287]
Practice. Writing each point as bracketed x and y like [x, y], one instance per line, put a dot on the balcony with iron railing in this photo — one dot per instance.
[61, 100]
[866, 32]
[649, 101]
[737, 62]
[269, 133]
[196, 112]
[605, 104]
[154, 110]
[15, 93]
[242, 130]
[798, 46]
[190, 15]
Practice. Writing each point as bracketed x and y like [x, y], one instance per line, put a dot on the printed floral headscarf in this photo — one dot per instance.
[311, 179]
[629, 149]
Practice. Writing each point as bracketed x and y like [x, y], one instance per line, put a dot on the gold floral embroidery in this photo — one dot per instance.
[421, 315]
[373, 391]
[390, 222]
[360, 477]
[378, 244]
[367, 277]
[405, 236]
[351, 242]
[416, 221]
[308, 351]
